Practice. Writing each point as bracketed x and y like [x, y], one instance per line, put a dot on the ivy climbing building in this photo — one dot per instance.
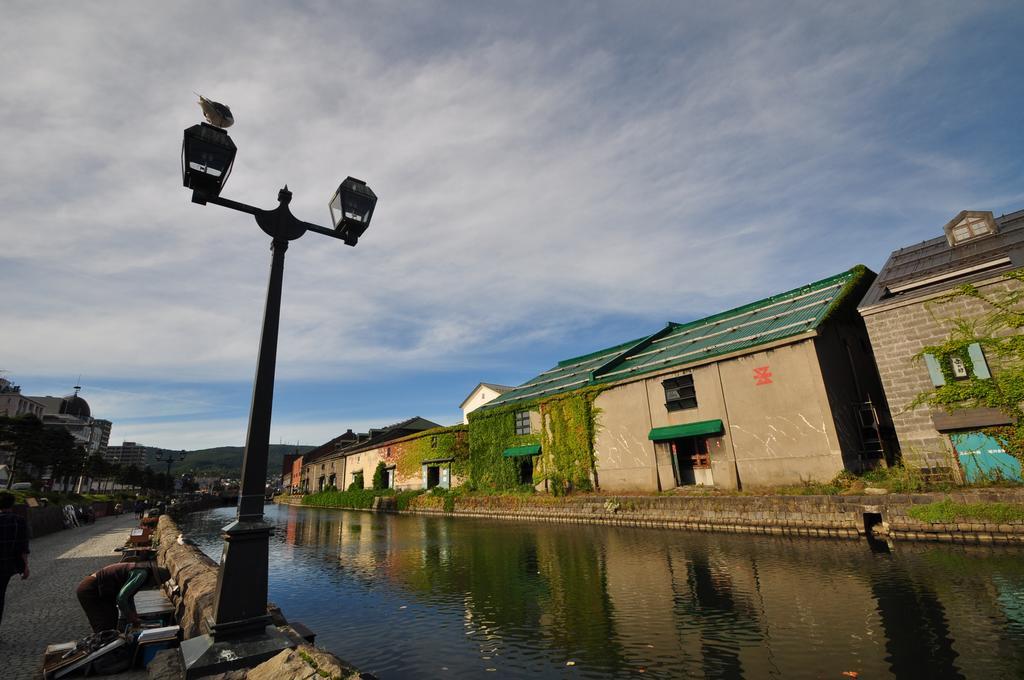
[944, 318]
[778, 391]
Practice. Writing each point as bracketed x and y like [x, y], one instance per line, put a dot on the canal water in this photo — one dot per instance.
[433, 597]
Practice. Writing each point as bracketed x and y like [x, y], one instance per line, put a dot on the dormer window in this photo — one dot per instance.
[970, 225]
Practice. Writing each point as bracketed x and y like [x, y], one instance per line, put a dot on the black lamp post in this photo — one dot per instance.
[240, 633]
[169, 457]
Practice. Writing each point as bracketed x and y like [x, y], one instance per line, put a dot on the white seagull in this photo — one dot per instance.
[215, 112]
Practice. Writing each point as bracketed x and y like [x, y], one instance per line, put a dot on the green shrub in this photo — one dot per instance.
[404, 498]
[359, 499]
[380, 475]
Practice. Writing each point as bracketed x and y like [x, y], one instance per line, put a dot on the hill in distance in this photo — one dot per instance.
[221, 461]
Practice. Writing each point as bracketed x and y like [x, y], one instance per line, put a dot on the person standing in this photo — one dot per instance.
[13, 546]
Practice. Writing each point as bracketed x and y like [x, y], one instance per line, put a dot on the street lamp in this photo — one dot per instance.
[241, 634]
[169, 457]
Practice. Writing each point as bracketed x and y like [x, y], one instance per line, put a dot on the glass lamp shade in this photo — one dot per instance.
[351, 209]
[207, 154]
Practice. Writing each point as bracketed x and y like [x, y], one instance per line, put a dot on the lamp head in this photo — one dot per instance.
[351, 209]
[207, 154]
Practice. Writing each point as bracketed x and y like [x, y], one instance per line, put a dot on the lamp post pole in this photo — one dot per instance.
[168, 457]
[240, 632]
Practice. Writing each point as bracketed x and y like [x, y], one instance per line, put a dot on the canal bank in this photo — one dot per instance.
[886, 516]
[194, 575]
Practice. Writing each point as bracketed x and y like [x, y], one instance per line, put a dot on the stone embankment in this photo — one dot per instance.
[195, 576]
[881, 516]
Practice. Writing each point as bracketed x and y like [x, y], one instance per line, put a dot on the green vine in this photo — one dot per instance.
[440, 442]
[491, 431]
[1000, 333]
[568, 426]
[570, 423]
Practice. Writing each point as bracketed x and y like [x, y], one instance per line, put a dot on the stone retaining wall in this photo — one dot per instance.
[42, 521]
[193, 572]
[821, 516]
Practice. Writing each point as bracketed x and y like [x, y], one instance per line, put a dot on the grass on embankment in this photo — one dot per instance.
[358, 499]
[948, 512]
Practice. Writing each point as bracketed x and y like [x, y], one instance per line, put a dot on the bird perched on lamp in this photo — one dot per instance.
[215, 112]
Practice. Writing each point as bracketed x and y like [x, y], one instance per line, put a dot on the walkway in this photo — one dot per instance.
[43, 609]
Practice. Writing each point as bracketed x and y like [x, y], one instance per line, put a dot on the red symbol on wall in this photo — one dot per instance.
[763, 375]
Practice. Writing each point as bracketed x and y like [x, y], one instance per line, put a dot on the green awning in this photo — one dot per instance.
[516, 451]
[660, 434]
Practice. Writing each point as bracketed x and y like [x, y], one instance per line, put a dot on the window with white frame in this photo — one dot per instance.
[523, 422]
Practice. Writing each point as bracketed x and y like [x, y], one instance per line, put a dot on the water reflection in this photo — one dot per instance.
[435, 597]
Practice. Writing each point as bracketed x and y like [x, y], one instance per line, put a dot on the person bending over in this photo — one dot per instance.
[110, 589]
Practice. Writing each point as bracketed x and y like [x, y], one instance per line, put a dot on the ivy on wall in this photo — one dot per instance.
[440, 442]
[568, 426]
[1000, 333]
[491, 431]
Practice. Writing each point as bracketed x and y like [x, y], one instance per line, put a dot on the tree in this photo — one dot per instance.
[380, 476]
[24, 436]
[64, 458]
[130, 475]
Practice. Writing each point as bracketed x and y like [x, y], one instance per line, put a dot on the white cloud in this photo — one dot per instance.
[539, 168]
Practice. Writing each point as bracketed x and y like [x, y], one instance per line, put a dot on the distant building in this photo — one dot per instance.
[13, 403]
[904, 313]
[291, 472]
[316, 471]
[73, 414]
[128, 453]
[481, 394]
[104, 426]
[342, 460]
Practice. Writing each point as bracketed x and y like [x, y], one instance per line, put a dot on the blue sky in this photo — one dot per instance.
[553, 178]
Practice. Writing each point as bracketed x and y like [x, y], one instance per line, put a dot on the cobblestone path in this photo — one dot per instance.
[43, 609]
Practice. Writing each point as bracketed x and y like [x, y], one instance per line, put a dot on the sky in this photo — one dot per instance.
[553, 178]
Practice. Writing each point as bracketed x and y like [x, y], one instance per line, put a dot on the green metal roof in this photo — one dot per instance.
[660, 434]
[744, 328]
[516, 451]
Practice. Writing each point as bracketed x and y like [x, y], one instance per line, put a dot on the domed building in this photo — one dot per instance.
[73, 413]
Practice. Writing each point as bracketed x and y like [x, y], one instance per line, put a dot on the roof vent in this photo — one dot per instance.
[970, 225]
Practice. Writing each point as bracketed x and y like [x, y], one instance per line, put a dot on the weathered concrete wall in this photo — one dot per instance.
[898, 332]
[624, 456]
[782, 432]
[779, 432]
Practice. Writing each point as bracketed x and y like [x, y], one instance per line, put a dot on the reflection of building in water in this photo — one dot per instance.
[917, 634]
[685, 605]
[952, 627]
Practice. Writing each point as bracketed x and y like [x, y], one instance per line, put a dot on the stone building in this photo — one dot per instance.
[339, 462]
[778, 391]
[14, 404]
[322, 468]
[73, 414]
[908, 308]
